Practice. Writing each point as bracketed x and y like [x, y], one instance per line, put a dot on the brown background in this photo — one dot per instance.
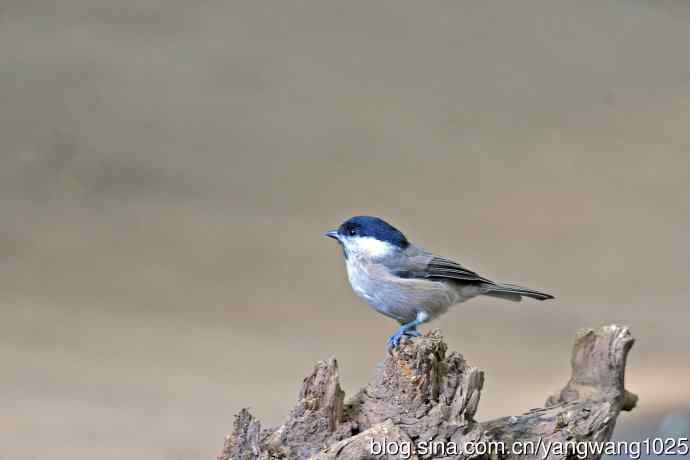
[167, 170]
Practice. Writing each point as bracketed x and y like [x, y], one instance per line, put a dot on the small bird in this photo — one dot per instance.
[406, 282]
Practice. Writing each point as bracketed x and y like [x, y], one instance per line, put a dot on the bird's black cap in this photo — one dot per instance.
[373, 227]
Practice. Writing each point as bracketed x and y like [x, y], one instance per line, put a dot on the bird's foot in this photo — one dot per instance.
[394, 340]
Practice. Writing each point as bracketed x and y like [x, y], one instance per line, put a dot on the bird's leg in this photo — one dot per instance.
[413, 332]
[408, 329]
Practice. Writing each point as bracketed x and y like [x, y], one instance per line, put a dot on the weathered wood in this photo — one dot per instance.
[243, 443]
[422, 394]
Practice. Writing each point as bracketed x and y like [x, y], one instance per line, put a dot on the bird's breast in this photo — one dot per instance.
[397, 297]
[361, 280]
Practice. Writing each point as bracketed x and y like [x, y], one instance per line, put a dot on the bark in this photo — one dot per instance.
[421, 405]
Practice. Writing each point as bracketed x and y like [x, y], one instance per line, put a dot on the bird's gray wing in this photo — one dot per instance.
[440, 267]
[417, 263]
[423, 264]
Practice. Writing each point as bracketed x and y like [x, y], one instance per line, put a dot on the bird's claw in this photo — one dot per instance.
[394, 340]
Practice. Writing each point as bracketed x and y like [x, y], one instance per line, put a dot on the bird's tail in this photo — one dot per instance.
[512, 292]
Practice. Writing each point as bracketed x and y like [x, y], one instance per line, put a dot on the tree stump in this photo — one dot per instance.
[421, 405]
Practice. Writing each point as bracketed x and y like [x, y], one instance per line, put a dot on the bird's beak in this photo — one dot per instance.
[333, 234]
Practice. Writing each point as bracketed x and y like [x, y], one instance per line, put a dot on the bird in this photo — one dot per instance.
[407, 283]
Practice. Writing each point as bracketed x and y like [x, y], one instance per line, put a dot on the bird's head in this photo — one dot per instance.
[368, 237]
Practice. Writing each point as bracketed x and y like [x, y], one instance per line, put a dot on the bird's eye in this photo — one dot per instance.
[352, 231]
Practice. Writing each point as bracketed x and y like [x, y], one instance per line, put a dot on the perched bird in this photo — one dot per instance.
[407, 283]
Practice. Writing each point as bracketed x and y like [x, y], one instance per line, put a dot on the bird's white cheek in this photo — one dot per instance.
[370, 247]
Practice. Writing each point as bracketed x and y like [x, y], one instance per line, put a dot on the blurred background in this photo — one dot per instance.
[167, 171]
